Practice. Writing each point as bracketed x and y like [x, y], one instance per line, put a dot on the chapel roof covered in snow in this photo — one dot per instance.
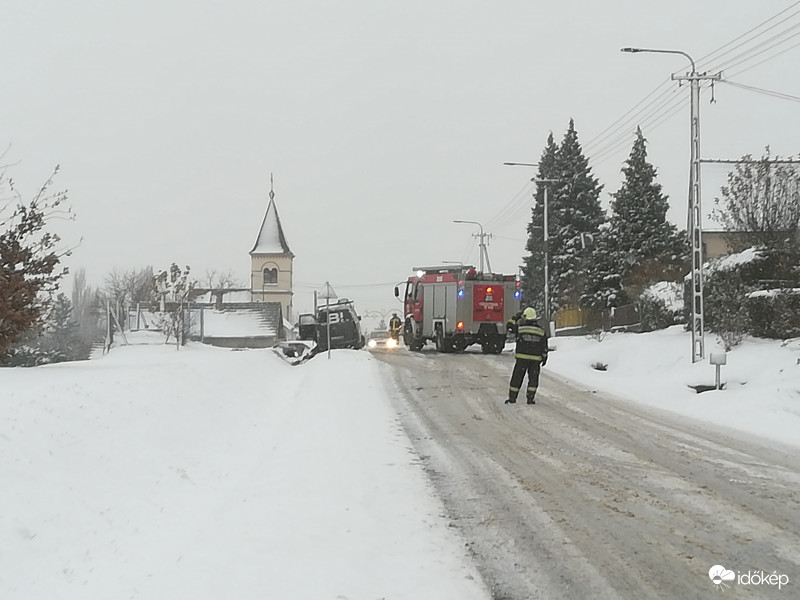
[271, 239]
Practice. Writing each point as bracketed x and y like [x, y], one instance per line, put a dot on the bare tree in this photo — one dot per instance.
[125, 288]
[761, 198]
[175, 289]
[221, 280]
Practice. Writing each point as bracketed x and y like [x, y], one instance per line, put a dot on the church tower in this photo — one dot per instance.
[271, 261]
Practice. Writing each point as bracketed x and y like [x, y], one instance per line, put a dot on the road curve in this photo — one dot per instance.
[588, 496]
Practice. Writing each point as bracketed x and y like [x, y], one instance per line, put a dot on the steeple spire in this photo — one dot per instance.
[271, 239]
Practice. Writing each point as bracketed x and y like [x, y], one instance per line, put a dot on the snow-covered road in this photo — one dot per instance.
[585, 495]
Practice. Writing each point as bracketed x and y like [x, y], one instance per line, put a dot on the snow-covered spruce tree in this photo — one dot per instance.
[574, 214]
[532, 277]
[641, 246]
[603, 288]
[30, 259]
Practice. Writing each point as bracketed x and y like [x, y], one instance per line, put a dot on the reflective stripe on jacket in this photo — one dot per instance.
[531, 340]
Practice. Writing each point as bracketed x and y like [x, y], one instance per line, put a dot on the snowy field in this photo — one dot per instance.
[208, 473]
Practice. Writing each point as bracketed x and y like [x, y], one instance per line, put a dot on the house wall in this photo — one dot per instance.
[718, 243]
[281, 291]
[714, 245]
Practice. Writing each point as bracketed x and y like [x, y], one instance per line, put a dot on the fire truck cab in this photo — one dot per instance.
[456, 307]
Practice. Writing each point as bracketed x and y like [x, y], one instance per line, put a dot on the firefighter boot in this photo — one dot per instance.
[510, 400]
[531, 399]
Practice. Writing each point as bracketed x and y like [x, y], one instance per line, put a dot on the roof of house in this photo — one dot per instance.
[271, 239]
[233, 295]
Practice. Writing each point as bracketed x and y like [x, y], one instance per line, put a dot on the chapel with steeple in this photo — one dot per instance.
[271, 261]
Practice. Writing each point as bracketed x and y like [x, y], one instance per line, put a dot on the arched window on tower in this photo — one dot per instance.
[270, 275]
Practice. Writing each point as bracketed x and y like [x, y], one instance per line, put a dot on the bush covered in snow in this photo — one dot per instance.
[775, 314]
[661, 306]
[728, 281]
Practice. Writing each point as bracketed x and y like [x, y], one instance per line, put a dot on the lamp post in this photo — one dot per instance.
[695, 224]
[483, 251]
[545, 235]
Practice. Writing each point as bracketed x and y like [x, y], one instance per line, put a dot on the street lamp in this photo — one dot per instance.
[483, 251]
[545, 236]
[695, 223]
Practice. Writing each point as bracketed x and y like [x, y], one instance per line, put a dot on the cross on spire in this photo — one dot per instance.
[271, 188]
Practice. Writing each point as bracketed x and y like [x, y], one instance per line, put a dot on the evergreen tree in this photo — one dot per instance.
[30, 260]
[86, 309]
[574, 216]
[61, 342]
[641, 246]
[533, 268]
[603, 288]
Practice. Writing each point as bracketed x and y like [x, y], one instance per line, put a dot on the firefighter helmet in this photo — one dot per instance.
[529, 313]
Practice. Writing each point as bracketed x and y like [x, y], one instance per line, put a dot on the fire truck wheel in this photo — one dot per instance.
[443, 344]
[460, 345]
[439, 341]
[492, 347]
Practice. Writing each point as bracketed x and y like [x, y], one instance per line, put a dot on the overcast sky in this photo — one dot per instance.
[381, 122]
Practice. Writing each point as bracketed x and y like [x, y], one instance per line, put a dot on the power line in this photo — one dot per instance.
[761, 62]
[509, 208]
[598, 138]
[342, 286]
[648, 128]
[780, 95]
[611, 138]
[708, 57]
[749, 55]
[663, 102]
[668, 108]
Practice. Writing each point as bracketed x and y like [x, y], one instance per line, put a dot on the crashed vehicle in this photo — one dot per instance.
[345, 326]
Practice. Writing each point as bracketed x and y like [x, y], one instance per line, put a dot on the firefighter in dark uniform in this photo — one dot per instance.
[530, 354]
[395, 325]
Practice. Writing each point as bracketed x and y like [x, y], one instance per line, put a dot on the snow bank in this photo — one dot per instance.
[762, 378]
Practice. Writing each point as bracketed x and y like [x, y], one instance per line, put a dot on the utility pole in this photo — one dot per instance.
[695, 217]
[545, 235]
[482, 245]
[546, 245]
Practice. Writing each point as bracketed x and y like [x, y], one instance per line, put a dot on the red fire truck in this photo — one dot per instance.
[456, 307]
